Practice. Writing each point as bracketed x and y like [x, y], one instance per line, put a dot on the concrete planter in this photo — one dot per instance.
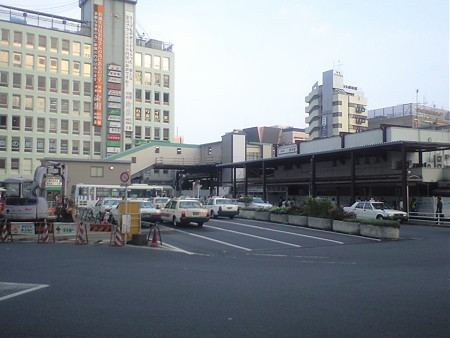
[346, 227]
[298, 220]
[320, 223]
[247, 214]
[262, 215]
[279, 218]
[380, 232]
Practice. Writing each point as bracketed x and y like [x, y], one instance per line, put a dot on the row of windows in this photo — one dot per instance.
[28, 40]
[54, 65]
[44, 105]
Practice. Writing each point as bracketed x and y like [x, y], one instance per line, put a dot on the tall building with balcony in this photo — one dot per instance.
[83, 89]
[334, 108]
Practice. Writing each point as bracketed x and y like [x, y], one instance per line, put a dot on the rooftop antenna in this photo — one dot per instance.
[337, 66]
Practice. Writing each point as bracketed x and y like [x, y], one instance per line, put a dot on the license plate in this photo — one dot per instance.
[195, 213]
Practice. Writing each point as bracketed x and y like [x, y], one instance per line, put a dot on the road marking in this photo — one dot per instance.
[12, 286]
[254, 236]
[285, 232]
[214, 240]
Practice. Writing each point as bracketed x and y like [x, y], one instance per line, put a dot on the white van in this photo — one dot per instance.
[26, 208]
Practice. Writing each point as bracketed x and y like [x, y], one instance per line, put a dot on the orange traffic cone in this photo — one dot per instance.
[154, 239]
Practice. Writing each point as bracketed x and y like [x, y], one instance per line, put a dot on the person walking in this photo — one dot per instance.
[439, 213]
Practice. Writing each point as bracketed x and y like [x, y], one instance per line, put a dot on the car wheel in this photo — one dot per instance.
[380, 217]
[213, 215]
[200, 224]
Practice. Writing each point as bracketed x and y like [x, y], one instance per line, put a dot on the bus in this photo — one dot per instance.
[86, 195]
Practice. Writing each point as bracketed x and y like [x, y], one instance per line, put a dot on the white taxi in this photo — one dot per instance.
[184, 211]
[376, 210]
[219, 206]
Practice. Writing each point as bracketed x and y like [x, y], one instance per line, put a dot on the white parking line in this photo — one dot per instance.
[254, 236]
[32, 287]
[285, 232]
[214, 240]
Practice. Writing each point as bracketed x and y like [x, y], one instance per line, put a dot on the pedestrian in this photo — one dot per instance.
[400, 205]
[439, 213]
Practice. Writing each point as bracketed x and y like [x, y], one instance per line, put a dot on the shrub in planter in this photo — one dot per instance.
[347, 226]
[262, 215]
[320, 223]
[383, 229]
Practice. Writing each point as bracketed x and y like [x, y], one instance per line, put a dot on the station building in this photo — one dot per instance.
[84, 89]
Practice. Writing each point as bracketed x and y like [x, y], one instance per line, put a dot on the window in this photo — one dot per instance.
[87, 70]
[29, 81]
[137, 113]
[64, 66]
[41, 83]
[16, 101]
[138, 132]
[28, 123]
[65, 46]
[86, 148]
[156, 131]
[29, 61]
[166, 116]
[5, 36]
[76, 48]
[75, 147]
[87, 50]
[138, 77]
[76, 68]
[42, 63]
[166, 63]
[64, 146]
[157, 62]
[53, 105]
[3, 100]
[165, 134]
[148, 114]
[4, 58]
[29, 102]
[138, 95]
[52, 146]
[3, 122]
[17, 39]
[41, 124]
[158, 80]
[87, 109]
[75, 107]
[4, 79]
[76, 87]
[54, 45]
[87, 89]
[148, 133]
[53, 128]
[156, 116]
[15, 122]
[147, 79]
[53, 65]
[2, 162]
[17, 80]
[148, 96]
[17, 60]
[97, 148]
[147, 61]
[30, 40]
[166, 81]
[157, 97]
[86, 128]
[42, 44]
[76, 127]
[96, 171]
[64, 126]
[53, 84]
[15, 164]
[28, 144]
[65, 86]
[15, 143]
[40, 145]
[97, 131]
[138, 59]
[2, 143]
[40, 104]
[178, 151]
[166, 99]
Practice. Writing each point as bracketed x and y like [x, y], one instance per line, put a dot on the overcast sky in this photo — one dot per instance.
[245, 63]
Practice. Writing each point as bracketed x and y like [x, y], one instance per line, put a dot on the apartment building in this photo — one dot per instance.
[334, 108]
[85, 89]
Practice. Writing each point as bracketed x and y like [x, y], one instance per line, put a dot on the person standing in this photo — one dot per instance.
[439, 213]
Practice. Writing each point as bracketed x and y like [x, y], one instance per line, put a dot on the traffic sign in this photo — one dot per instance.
[124, 177]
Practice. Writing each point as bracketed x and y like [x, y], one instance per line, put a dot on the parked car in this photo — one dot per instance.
[159, 202]
[184, 211]
[148, 212]
[257, 203]
[376, 210]
[219, 206]
[102, 206]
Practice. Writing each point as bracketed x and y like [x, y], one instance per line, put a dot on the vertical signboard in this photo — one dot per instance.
[98, 65]
[129, 72]
[114, 98]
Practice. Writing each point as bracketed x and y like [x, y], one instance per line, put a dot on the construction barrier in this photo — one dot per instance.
[100, 227]
[117, 238]
[6, 235]
[81, 235]
[46, 232]
[153, 236]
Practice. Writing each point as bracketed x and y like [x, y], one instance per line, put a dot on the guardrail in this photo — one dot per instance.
[429, 218]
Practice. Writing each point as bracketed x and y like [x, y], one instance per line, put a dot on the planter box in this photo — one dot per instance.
[279, 218]
[262, 215]
[320, 223]
[247, 214]
[375, 231]
[346, 227]
[298, 220]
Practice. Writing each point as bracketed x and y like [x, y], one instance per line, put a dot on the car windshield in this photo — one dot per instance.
[380, 206]
[258, 200]
[190, 204]
[161, 200]
[146, 205]
[224, 201]
[111, 202]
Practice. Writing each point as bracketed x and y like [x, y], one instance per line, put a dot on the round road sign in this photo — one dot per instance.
[124, 177]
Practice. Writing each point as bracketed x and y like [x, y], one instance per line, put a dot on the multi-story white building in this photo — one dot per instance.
[85, 89]
[334, 108]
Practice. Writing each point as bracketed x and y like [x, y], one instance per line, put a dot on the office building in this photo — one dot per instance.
[334, 108]
[86, 89]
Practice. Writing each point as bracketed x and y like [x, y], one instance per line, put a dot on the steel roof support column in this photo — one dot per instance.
[264, 181]
[405, 197]
[211, 180]
[219, 180]
[352, 177]
[312, 184]
[245, 181]
[234, 182]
